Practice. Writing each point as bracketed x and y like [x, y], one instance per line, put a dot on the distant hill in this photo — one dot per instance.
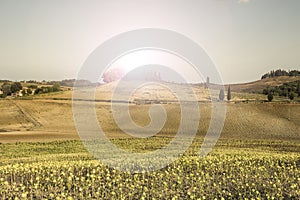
[258, 86]
[251, 90]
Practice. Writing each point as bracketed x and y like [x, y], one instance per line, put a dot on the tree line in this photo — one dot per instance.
[47, 89]
[280, 72]
[10, 88]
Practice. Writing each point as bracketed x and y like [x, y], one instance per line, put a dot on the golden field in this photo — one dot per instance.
[49, 117]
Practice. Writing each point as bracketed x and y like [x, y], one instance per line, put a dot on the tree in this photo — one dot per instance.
[229, 93]
[38, 91]
[29, 91]
[6, 88]
[270, 97]
[221, 95]
[266, 91]
[18, 85]
[56, 87]
[15, 87]
[50, 89]
[291, 95]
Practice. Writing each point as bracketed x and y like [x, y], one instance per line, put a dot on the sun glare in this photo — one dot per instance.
[140, 58]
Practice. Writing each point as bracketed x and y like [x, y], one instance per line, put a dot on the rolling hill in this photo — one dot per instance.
[48, 120]
[258, 86]
[49, 116]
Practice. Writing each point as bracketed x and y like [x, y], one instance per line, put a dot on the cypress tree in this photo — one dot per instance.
[221, 95]
[229, 93]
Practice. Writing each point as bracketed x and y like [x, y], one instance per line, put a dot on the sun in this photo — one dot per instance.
[140, 58]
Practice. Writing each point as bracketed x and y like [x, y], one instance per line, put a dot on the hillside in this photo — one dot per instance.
[49, 116]
[47, 120]
[258, 86]
[150, 92]
[241, 92]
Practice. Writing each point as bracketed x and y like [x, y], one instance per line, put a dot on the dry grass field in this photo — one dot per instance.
[39, 120]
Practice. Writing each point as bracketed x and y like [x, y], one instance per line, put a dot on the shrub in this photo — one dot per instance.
[270, 97]
[291, 96]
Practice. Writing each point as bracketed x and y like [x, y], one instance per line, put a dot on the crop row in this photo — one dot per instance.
[218, 176]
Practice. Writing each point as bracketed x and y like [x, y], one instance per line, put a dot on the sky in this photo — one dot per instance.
[51, 39]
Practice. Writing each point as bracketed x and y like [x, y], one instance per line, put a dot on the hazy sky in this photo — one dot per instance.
[51, 39]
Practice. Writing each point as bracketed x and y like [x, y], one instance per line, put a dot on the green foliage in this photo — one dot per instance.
[15, 87]
[32, 81]
[284, 90]
[29, 91]
[9, 88]
[270, 97]
[44, 89]
[3, 95]
[38, 91]
[291, 96]
[6, 88]
[5, 81]
[280, 72]
[71, 83]
[229, 93]
[63, 170]
[56, 87]
[32, 86]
